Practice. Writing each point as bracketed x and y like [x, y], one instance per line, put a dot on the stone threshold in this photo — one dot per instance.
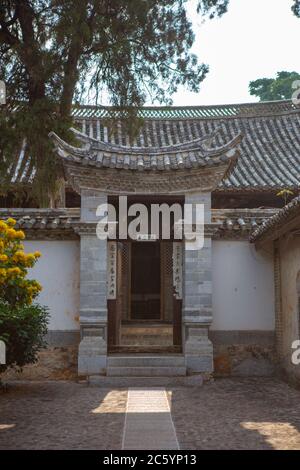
[127, 382]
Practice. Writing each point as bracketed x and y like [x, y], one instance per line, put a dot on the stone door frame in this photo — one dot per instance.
[196, 302]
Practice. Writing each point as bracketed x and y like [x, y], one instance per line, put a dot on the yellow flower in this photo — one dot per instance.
[2, 273]
[30, 259]
[3, 226]
[19, 235]
[14, 272]
[11, 222]
[14, 276]
[11, 233]
[18, 256]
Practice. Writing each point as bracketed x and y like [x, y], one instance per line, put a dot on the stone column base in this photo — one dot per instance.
[198, 349]
[92, 353]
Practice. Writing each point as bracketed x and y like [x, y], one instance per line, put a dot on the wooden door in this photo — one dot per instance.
[166, 281]
[125, 281]
[145, 281]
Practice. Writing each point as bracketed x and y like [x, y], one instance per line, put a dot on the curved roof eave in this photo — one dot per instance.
[192, 154]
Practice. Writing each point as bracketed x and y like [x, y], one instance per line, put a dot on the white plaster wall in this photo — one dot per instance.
[290, 267]
[58, 272]
[243, 287]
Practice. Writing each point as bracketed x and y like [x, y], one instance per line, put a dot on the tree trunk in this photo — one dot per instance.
[71, 72]
[70, 79]
[29, 52]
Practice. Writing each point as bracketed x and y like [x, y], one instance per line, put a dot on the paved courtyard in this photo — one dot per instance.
[225, 414]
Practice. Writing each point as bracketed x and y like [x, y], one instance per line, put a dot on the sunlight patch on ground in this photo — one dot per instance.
[276, 434]
[3, 427]
[148, 422]
[105, 405]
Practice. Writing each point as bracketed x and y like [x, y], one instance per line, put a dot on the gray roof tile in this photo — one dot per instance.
[269, 151]
[284, 215]
[195, 153]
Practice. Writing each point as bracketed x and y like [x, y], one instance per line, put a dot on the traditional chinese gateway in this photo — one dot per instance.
[150, 307]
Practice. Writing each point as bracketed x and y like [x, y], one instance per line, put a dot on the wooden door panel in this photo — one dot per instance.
[166, 281]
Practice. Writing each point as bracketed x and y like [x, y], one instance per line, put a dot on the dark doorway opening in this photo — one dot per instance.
[145, 281]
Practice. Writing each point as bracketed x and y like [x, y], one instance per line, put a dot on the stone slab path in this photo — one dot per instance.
[148, 420]
[242, 413]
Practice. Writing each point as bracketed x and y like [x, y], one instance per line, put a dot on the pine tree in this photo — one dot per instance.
[53, 51]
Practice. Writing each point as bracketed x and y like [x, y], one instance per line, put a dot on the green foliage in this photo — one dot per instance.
[296, 8]
[56, 52]
[26, 129]
[212, 8]
[278, 88]
[23, 324]
[23, 330]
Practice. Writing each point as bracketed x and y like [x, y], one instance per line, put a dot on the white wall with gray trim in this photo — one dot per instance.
[58, 272]
[243, 287]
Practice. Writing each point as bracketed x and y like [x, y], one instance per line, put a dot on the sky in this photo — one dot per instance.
[254, 39]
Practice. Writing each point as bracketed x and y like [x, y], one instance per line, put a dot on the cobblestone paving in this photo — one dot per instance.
[237, 414]
[61, 415]
[226, 414]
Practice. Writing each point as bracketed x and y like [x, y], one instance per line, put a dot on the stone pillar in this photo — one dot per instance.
[197, 303]
[93, 297]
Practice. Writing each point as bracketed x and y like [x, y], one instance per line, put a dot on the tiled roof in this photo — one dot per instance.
[230, 223]
[188, 112]
[42, 219]
[235, 221]
[269, 152]
[191, 154]
[270, 149]
[284, 215]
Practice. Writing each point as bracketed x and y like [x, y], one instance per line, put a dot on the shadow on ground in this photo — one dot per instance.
[61, 415]
[252, 413]
[255, 413]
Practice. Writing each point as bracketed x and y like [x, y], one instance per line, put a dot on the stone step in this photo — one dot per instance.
[147, 330]
[146, 340]
[164, 371]
[145, 361]
[155, 335]
[158, 349]
[126, 382]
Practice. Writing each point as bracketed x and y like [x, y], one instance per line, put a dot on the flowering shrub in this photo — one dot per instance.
[23, 324]
[14, 265]
[23, 329]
